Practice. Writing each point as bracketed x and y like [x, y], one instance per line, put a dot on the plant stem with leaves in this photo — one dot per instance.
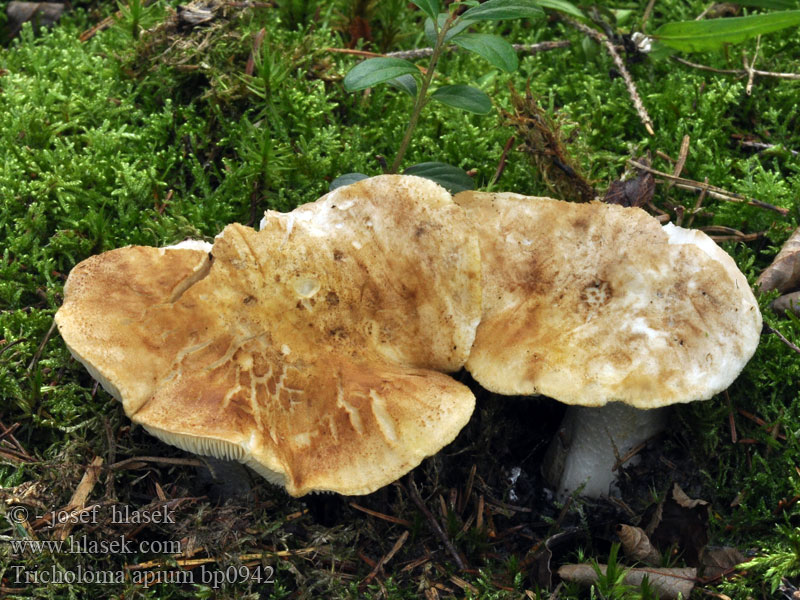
[422, 97]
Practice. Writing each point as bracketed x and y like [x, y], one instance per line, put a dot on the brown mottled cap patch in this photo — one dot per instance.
[311, 350]
[591, 303]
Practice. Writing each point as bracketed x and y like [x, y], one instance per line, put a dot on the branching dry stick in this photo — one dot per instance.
[620, 64]
[739, 72]
[782, 338]
[711, 190]
[748, 66]
[761, 146]
[414, 493]
[385, 559]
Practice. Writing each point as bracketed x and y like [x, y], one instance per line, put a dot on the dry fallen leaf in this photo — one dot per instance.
[541, 571]
[668, 583]
[787, 302]
[40, 14]
[719, 560]
[683, 500]
[637, 546]
[29, 493]
[683, 525]
[633, 192]
[784, 272]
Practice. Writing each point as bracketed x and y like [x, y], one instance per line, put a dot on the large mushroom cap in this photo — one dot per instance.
[591, 303]
[309, 350]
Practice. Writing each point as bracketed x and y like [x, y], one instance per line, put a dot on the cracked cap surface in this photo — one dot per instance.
[311, 350]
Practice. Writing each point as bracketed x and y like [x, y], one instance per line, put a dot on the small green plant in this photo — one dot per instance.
[133, 12]
[441, 30]
[611, 584]
[780, 563]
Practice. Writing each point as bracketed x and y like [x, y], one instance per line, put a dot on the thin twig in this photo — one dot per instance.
[702, 15]
[620, 64]
[739, 72]
[647, 11]
[744, 238]
[11, 344]
[782, 338]
[684, 154]
[123, 464]
[17, 448]
[427, 52]
[379, 515]
[81, 494]
[385, 559]
[699, 203]
[761, 146]
[413, 492]
[501, 166]
[40, 349]
[711, 190]
[748, 66]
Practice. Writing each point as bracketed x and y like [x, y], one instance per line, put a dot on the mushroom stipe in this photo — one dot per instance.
[316, 349]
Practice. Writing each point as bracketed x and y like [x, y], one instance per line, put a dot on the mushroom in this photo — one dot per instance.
[599, 306]
[313, 350]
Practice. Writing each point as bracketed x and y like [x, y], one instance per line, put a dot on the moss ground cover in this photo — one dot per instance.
[150, 132]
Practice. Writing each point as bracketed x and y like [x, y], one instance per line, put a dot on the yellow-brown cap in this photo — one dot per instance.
[311, 350]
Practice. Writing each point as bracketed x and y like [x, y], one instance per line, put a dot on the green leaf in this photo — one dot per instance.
[346, 179]
[457, 27]
[696, 36]
[429, 7]
[771, 4]
[405, 83]
[464, 97]
[562, 6]
[451, 178]
[500, 10]
[377, 70]
[493, 48]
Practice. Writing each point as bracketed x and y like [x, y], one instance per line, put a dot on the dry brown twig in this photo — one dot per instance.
[761, 146]
[739, 72]
[726, 234]
[386, 558]
[699, 203]
[135, 462]
[647, 11]
[711, 190]
[81, 494]
[684, 154]
[413, 492]
[620, 64]
[748, 66]
[379, 515]
[11, 448]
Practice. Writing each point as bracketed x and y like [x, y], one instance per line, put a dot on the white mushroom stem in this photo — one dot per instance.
[590, 442]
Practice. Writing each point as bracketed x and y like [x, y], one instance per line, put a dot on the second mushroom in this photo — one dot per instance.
[601, 308]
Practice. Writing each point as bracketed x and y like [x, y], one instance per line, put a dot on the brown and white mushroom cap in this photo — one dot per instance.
[310, 350]
[591, 303]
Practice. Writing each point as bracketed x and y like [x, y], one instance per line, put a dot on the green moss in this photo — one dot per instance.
[122, 141]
